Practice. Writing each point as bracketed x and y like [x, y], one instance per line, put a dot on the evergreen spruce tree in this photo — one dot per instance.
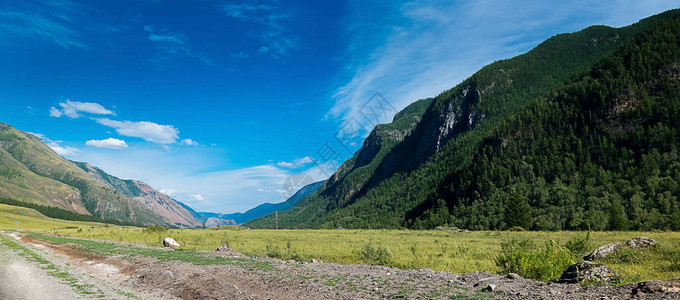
[617, 218]
[517, 212]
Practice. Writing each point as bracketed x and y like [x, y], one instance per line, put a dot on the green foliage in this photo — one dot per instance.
[155, 229]
[375, 255]
[585, 128]
[541, 263]
[517, 212]
[58, 213]
[580, 247]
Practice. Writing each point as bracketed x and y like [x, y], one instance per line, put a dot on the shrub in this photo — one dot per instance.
[274, 252]
[580, 247]
[375, 255]
[672, 255]
[155, 228]
[544, 263]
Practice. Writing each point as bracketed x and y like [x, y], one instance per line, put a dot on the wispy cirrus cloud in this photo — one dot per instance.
[109, 143]
[49, 21]
[275, 34]
[173, 44]
[418, 49]
[148, 131]
[72, 109]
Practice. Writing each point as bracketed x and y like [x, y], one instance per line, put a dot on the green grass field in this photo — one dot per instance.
[438, 250]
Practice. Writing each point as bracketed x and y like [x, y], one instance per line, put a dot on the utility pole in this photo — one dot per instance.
[277, 220]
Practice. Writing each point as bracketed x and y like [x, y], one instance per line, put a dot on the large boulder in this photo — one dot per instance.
[588, 271]
[603, 251]
[634, 243]
[170, 242]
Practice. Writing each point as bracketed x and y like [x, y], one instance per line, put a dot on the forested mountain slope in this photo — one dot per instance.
[583, 129]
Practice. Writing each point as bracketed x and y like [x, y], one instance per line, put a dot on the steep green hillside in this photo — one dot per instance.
[341, 185]
[599, 153]
[31, 172]
[436, 175]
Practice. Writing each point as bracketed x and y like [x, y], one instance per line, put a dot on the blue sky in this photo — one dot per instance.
[228, 104]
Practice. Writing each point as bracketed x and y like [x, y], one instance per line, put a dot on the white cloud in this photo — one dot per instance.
[72, 109]
[57, 147]
[149, 131]
[422, 48]
[296, 163]
[181, 174]
[54, 112]
[189, 142]
[109, 143]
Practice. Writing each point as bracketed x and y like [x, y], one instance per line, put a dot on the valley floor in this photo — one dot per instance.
[128, 270]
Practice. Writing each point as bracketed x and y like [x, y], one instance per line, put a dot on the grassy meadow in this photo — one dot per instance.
[450, 251]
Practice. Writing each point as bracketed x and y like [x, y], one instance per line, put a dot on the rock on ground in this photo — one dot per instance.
[634, 243]
[170, 242]
[587, 271]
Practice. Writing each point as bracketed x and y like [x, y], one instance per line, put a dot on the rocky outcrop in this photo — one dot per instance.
[459, 116]
[587, 271]
[634, 243]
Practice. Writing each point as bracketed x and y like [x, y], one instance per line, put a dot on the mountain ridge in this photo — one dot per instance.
[31, 172]
[407, 185]
[267, 208]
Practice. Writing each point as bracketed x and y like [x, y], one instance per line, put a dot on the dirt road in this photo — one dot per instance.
[123, 270]
[20, 279]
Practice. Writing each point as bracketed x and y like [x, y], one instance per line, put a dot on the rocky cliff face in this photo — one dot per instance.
[460, 115]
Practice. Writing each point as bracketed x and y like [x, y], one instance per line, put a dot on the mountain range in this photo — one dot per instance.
[33, 175]
[267, 208]
[581, 132]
